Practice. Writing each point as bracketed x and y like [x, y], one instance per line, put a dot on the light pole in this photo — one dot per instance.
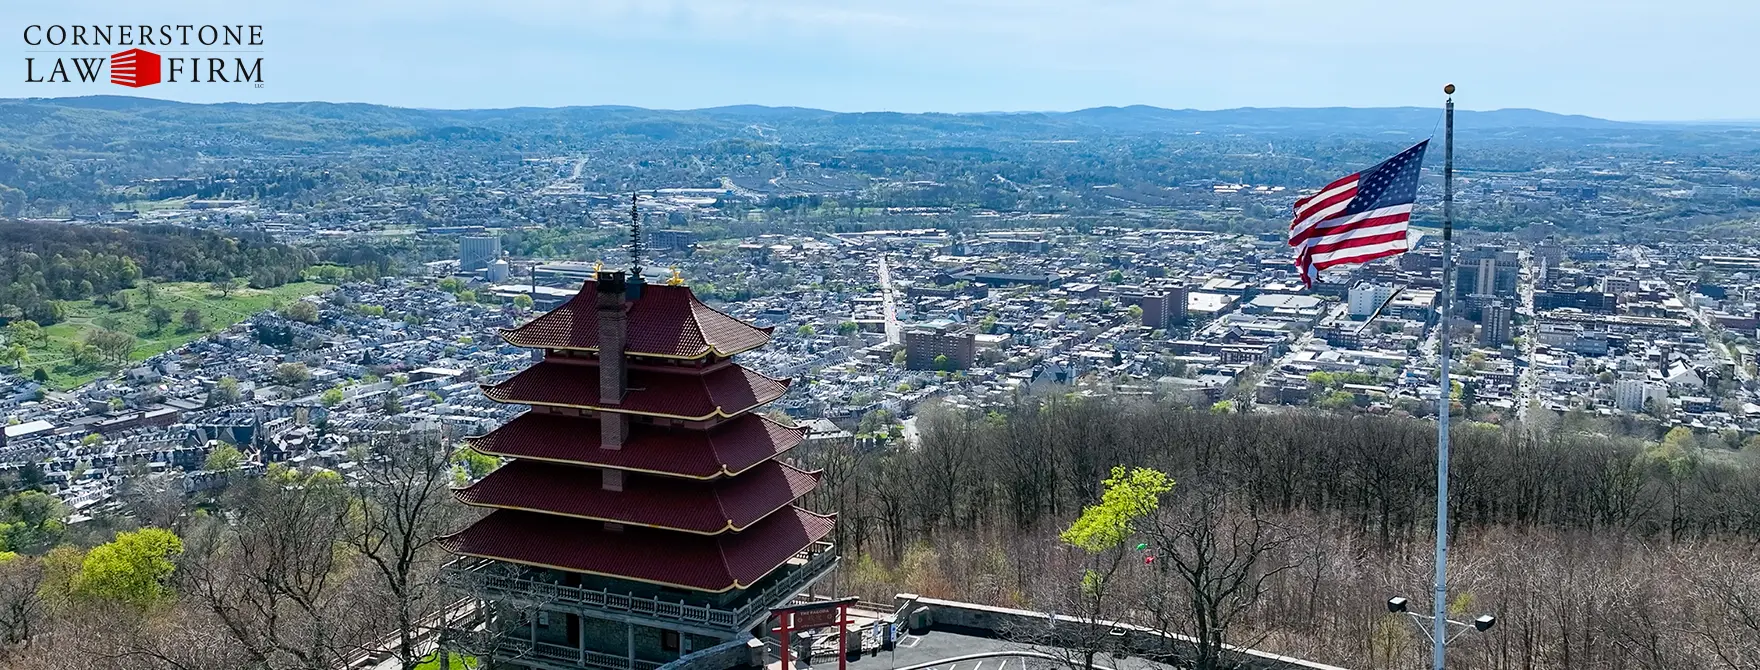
[1427, 622]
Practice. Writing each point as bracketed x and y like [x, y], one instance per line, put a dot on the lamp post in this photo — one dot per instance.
[1449, 628]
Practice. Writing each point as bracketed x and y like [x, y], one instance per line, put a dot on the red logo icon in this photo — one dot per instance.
[135, 68]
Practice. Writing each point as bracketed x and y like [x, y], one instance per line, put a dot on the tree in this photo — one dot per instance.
[846, 328]
[14, 355]
[402, 504]
[223, 458]
[149, 291]
[1213, 558]
[1103, 534]
[159, 317]
[192, 320]
[40, 375]
[331, 397]
[900, 357]
[31, 522]
[225, 392]
[942, 362]
[114, 345]
[470, 465]
[292, 374]
[26, 332]
[390, 405]
[522, 301]
[806, 330]
[22, 607]
[302, 311]
[226, 286]
[134, 569]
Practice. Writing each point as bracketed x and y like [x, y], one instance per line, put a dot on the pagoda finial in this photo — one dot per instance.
[635, 237]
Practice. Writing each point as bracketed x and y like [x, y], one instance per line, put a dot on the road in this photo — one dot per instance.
[1528, 378]
[889, 295]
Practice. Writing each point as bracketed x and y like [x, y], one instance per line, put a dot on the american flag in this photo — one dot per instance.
[1359, 218]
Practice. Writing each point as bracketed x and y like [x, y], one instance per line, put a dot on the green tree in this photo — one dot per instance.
[390, 405]
[149, 291]
[134, 569]
[40, 375]
[846, 328]
[471, 464]
[31, 522]
[84, 356]
[223, 458]
[806, 330]
[26, 332]
[301, 311]
[1126, 497]
[900, 357]
[942, 362]
[114, 345]
[192, 319]
[14, 355]
[225, 392]
[226, 286]
[331, 397]
[292, 374]
[159, 317]
[522, 301]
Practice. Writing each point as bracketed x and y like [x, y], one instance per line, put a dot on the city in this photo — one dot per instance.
[515, 337]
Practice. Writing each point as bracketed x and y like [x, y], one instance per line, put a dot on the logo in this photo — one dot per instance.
[135, 68]
[206, 54]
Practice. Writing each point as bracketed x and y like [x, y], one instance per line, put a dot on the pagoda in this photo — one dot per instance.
[642, 512]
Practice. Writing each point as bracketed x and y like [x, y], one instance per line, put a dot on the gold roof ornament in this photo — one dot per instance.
[677, 278]
[597, 266]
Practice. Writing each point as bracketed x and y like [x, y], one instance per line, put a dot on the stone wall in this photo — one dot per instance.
[919, 614]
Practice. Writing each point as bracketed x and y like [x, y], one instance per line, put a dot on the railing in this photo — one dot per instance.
[514, 649]
[475, 575]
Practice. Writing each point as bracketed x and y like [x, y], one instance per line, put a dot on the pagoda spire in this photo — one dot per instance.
[635, 238]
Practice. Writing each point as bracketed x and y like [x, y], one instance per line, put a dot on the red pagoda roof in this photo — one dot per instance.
[725, 392]
[727, 449]
[666, 321]
[699, 562]
[706, 508]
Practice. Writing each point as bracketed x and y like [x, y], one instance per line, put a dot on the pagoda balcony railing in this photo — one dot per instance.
[489, 579]
[513, 649]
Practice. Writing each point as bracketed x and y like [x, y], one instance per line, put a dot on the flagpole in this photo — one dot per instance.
[1444, 401]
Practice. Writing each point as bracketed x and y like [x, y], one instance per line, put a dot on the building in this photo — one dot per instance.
[1496, 324]
[643, 512]
[497, 271]
[1634, 395]
[1167, 308]
[476, 253]
[923, 345]
[1366, 298]
[673, 239]
[1588, 300]
[1487, 270]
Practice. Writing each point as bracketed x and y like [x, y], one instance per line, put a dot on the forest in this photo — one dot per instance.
[43, 263]
[1285, 531]
[1591, 552]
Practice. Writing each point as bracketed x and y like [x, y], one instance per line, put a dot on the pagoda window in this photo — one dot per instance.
[669, 640]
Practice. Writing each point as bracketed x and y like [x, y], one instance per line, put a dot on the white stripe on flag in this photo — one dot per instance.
[1353, 252]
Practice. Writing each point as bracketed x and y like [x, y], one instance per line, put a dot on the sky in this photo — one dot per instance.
[1619, 59]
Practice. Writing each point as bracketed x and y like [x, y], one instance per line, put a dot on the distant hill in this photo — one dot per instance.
[112, 123]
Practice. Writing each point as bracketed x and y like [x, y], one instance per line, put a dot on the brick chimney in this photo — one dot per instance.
[613, 378]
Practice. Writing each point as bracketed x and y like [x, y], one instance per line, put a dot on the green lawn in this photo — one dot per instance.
[84, 316]
[459, 662]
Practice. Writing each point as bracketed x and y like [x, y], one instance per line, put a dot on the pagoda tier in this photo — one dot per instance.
[723, 390]
[668, 322]
[702, 507]
[716, 563]
[728, 449]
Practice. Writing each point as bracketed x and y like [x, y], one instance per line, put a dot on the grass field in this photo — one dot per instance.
[459, 662]
[218, 313]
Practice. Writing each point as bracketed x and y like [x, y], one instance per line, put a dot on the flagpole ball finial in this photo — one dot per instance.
[1448, 89]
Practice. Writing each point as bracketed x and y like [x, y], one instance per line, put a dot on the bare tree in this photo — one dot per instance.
[22, 609]
[1213, 558]
[403, 507]
[277, 580]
